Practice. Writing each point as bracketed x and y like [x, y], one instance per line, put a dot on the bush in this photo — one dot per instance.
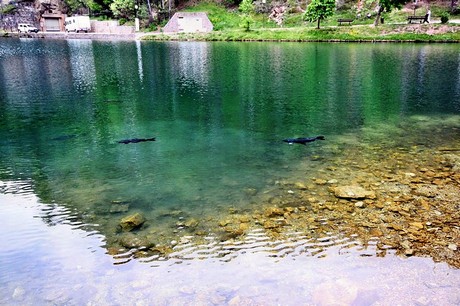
[8, 9]
[445, 17]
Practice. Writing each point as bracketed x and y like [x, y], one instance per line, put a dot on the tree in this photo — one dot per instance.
[247, 9]
[387, 6]
[123, 8]
[318, 10]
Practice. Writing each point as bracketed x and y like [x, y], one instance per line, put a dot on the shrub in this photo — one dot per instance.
[8, 9]
[444, 17]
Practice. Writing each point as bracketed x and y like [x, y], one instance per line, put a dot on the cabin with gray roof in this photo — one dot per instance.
[183, 22]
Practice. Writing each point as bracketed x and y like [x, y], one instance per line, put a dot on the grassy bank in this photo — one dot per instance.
[361, 33]
[227, 27]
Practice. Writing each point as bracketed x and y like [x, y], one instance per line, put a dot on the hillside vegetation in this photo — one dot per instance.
[225, 18]
[228, 26]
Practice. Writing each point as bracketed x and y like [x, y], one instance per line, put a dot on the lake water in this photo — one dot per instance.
[219, 113]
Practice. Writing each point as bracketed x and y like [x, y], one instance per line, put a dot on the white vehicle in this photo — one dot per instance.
[26, 28]
[77, 24]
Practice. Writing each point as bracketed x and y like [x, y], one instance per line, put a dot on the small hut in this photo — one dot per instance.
[188, 23]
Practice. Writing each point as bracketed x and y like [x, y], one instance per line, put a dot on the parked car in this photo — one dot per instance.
[26, 28]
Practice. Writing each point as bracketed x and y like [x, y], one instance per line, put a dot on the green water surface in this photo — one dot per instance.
[218, 111]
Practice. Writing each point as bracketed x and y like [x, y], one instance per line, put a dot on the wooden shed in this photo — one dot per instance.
[183, 22]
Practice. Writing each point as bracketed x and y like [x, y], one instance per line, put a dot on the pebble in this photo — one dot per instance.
[18, 293]
[452, 246]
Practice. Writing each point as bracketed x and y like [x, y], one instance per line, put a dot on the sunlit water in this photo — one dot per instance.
[219, 112]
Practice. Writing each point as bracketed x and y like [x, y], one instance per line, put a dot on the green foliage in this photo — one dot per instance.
[246, 22]
[444, 17]
[388, 6]
[220, 17]
[95, 6]
[319, 10]
[73, 6]
[247, 9]
[8, 9]
[123, 8]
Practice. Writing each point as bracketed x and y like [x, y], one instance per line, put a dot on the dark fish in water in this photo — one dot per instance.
[303, 140]
[136, 140]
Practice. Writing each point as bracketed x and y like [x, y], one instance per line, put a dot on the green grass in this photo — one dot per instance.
[227, 28]
[219, 15]
[344, 33]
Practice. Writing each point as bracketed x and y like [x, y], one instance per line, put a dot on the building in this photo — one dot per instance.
[183, 22]
[52, 22]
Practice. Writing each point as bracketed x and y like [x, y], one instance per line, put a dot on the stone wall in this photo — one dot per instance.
[110, 27]
[24, 13]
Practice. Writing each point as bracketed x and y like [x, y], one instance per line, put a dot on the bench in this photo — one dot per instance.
[340, 21]
[420, 19]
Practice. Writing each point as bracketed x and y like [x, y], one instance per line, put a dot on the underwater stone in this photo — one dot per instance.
[353, 192]
[131, 241]
[273, 212]
[191, 223]
[250, 191]
[300, 185]
[132, 222]
[119, 208]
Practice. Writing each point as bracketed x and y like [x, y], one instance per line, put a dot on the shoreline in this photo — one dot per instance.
[65, 35]
[391, 33]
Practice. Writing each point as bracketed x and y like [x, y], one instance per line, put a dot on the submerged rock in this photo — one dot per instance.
[250, 191]
[273, 212]
[132, 222]
[353, 192]
[191, 223]
[131, 241]
[119, 208]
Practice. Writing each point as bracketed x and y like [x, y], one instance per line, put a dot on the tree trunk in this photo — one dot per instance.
[319, 19]
[379, 14]
[149, 7]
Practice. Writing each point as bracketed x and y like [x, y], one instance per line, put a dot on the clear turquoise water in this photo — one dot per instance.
[219, 112]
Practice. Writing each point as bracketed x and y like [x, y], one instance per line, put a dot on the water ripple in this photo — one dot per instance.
[293, 245]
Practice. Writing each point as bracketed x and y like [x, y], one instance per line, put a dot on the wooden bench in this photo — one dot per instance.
[340, 21]
[420, 19]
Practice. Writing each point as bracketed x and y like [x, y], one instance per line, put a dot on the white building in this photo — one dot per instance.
[183, 22]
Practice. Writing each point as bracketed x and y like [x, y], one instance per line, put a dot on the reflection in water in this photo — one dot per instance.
[139, 60]
[219, 182]
[190, 62]
[82, 60]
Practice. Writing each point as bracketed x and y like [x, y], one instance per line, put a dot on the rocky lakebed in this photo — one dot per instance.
[400, 195]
